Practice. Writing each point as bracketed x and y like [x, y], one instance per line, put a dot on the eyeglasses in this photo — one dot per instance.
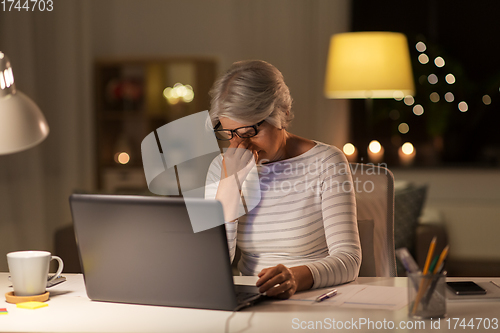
[242, 132]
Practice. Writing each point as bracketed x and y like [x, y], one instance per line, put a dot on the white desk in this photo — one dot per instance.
[69, 312]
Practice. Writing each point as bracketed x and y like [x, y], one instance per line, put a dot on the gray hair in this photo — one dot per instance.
[249, 92]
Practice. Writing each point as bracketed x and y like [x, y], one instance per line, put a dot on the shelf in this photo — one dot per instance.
[130, 104]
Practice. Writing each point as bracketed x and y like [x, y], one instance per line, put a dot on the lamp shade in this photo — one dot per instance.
[22, 124]
[368, 65]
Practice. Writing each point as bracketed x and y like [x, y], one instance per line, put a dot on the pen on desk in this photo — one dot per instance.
[328, 295]
[496, 284]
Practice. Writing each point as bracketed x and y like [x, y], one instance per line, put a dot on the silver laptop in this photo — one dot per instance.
[142, 250]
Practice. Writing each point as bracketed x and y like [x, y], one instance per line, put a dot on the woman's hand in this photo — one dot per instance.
[282, 282]
[278, 281]
[238, 160]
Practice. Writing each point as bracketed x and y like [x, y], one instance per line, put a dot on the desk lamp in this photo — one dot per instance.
[369, 65]
[22, 124]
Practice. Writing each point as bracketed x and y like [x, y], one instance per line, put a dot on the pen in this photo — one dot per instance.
[442, 257]
[423, 284]
[433, 265]
[329, 294]
[496, 284]
[407, 260]
[438, 269]
[429, 255]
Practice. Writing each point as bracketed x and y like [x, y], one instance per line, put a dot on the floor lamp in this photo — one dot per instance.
[22, 124]
[367, 65]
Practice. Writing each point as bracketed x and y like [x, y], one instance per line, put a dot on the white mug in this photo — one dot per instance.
[29, 271]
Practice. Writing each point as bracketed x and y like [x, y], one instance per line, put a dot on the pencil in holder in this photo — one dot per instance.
[427, 295]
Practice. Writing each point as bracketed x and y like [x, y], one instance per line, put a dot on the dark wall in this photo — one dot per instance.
[468, 30]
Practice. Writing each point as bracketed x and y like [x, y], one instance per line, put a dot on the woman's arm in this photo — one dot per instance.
[211, 187]
[224, 179]
[338, 205]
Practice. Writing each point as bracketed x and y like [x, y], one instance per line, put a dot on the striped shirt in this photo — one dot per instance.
[306, 216]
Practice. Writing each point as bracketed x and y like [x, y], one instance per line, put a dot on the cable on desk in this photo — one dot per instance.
[226, 330]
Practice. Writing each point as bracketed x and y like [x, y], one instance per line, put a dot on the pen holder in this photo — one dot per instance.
[426, 295]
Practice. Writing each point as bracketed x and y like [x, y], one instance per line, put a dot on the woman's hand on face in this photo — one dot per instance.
[278, 281]
[237, 163]
[238, 158]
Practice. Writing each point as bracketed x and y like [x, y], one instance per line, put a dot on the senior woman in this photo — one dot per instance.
[303, 233]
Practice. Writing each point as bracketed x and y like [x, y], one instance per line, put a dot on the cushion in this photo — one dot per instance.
[408, 203]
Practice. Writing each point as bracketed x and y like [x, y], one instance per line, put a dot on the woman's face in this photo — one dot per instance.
[268, 143]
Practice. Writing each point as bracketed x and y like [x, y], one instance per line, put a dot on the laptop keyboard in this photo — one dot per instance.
[244, 296]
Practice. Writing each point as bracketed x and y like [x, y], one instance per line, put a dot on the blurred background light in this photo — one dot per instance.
[179, 92]
[439, 62]
[409, 100]
[122, 158]
[432, 78]
[486, 99]
[407, 148]
[423, 58]
[375, 146]
[450, 78]
[418, 110]
[398, 95]
[449, 97]
[349, 149]
[434, 97]
[421, 47]
[403, 128]
[463, 107]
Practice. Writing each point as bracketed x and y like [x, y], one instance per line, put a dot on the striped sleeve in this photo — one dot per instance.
[338, 206]
[211, 185]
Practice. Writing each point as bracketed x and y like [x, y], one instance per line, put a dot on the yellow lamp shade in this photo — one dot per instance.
[368, 65]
